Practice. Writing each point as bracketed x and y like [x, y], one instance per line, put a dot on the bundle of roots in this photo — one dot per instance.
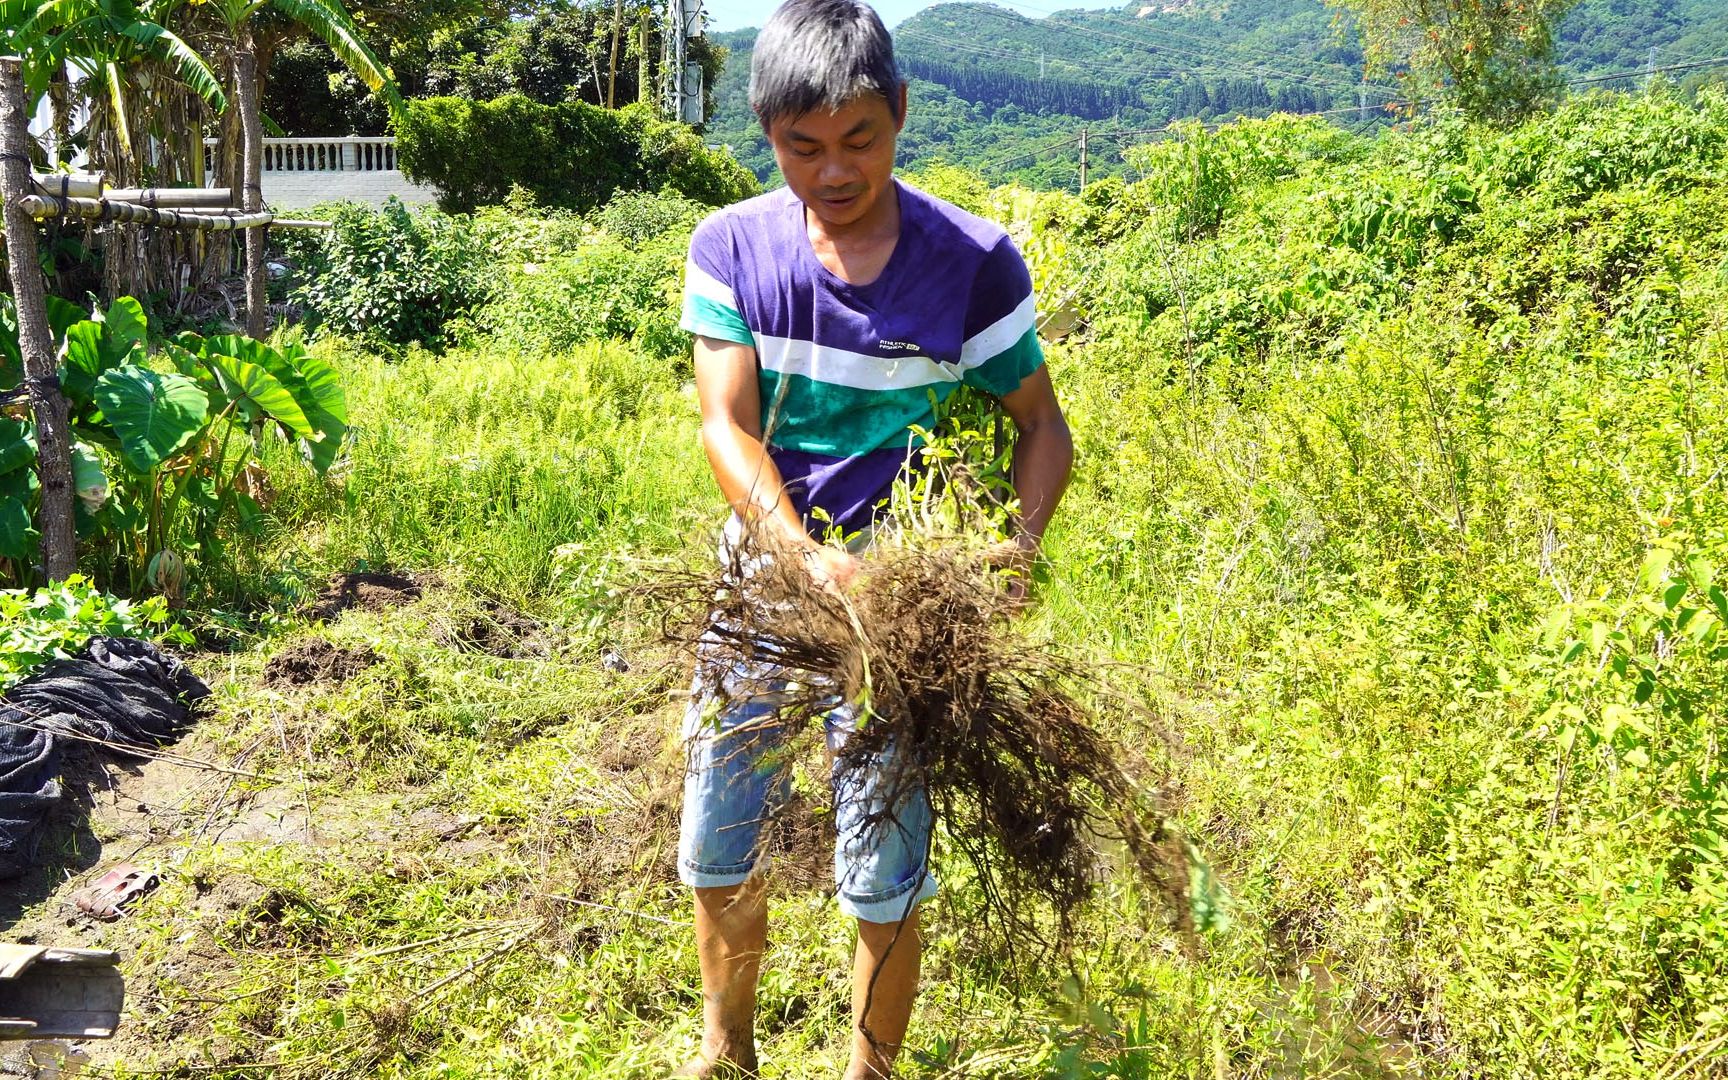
[952, 700]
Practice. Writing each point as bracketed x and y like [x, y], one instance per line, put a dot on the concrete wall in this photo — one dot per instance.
[294, 190]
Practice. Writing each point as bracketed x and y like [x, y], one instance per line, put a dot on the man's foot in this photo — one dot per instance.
[718, 1067]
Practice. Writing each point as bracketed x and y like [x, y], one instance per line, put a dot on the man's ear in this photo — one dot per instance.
[900, 124]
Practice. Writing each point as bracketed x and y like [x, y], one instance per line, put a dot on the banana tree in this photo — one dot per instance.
[132, 69]
[330, 22]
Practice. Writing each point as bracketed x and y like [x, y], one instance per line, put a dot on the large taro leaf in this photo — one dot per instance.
[18, 537]
[154, 415]
[125, 329]
[17, 445]
[103, 343]
[315, 386]
[327, 409]
[81, 361]
[259, 394]
[61, 314]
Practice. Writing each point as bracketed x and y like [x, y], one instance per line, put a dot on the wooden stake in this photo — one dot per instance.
[53, 442]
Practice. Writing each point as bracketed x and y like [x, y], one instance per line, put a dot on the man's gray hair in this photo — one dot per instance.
[821, 54]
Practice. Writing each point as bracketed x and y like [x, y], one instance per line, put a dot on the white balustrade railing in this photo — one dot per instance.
[352, 153]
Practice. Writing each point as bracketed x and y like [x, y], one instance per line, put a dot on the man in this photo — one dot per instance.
[827, 315]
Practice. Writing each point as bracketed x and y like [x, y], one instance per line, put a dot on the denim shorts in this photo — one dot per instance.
[732, 783]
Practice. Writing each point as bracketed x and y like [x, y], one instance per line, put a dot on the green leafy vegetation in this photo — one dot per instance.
[41, 625]
[389, 277]
[571, 156]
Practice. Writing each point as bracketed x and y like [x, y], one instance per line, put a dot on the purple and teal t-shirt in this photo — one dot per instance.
[847, 370]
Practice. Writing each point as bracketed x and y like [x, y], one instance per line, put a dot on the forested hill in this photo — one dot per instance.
[990, 86]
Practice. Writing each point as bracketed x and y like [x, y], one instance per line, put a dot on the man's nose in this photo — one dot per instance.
[836, 171]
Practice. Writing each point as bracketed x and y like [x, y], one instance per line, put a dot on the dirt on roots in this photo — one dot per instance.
[956, 703]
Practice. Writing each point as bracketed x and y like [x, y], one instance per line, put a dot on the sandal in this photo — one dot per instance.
[115, 892]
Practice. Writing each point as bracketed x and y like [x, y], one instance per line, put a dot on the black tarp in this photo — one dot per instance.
[122, 691]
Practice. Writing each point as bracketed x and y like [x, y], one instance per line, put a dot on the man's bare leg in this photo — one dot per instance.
[731, 934]
[884, 976]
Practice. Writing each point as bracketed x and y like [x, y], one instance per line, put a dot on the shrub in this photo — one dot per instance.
[610, 290]
[637, 218]
[41, 625]
[391, 277]
[571, 156]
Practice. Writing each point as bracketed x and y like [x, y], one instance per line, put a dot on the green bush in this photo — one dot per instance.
[571, 156]
[611, 275]
[637, 218]
[392, 276]
[41, 625]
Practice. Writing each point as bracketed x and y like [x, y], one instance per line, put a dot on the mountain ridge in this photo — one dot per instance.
[991, 85]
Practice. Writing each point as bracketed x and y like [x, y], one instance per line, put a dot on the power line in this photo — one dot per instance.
[1219, 57]
[1004, 54]
[1687, 65]
[1213, 125]
[1070, 140]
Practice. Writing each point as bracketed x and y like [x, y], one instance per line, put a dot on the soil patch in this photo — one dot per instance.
[365, 591]
[315, 662]
[503, 632]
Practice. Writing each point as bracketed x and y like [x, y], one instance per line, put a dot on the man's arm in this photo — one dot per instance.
[731, 402]
[1043, 455]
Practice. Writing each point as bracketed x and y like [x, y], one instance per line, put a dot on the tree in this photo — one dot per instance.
[326, 19]
[122, 52]
[1491, 58]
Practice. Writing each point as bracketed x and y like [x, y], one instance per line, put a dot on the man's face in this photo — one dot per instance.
[839, 163]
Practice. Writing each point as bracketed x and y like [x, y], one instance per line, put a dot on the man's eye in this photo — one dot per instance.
[862, 146]
[803, 153]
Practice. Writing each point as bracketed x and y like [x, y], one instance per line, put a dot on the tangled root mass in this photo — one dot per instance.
[1022, 782]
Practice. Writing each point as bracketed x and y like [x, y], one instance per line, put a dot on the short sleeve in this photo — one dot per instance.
[710, 306]
[1001, 345]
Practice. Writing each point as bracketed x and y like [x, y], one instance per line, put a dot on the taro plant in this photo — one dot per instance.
[164, 457]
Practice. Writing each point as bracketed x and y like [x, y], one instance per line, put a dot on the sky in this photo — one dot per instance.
[737, 14]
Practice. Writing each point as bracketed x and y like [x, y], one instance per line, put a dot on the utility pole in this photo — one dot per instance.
[1362, 100]
[30, 298]
[1084, 146]
[1650, 68]
[683, 76]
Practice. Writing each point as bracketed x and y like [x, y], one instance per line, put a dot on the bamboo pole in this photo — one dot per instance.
[170, 198]
[83, 185]
[47, 206]
[30, 296]
[90, 186]
[644, 83]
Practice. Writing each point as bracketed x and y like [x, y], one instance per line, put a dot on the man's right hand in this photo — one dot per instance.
[831, 568]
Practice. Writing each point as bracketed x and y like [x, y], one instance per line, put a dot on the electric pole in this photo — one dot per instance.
[683, 76]
[1084, 145]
